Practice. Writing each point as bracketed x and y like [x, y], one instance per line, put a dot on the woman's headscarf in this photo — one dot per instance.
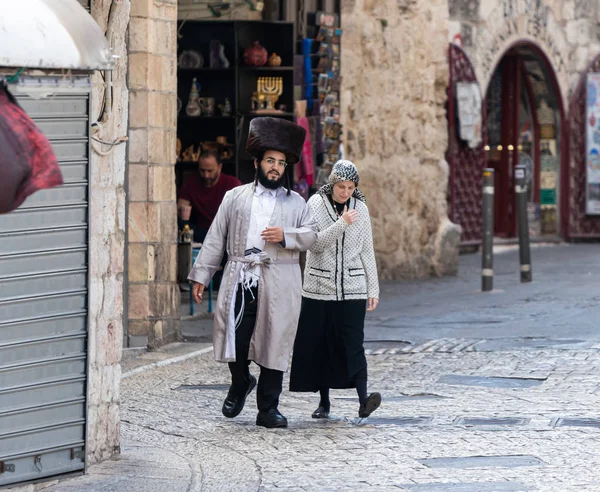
[343, 171]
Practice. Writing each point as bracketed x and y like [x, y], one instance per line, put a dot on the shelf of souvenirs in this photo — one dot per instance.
[206, 69]
[266, 69]
[267, 113]
[200, 118]
[241, 69]
[185, 117]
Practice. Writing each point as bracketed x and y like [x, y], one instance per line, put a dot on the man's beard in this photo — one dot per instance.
[269, 184]
[208, 182]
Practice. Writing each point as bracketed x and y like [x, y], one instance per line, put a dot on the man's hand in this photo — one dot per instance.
[197, 292]
[350, 216]
[273, 234]
[372, 304]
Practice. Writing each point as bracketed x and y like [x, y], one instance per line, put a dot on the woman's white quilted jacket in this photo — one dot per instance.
[341, 265]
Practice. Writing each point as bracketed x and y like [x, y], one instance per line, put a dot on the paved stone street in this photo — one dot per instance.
[176, 409]
[456, 415]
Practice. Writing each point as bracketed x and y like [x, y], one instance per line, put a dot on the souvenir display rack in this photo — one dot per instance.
[322, 55]
[218, 72]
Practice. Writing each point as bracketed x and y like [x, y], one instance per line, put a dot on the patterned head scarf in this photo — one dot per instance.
[343, 171]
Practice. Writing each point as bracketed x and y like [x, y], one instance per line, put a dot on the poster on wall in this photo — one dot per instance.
[592, 150]
[469, 101]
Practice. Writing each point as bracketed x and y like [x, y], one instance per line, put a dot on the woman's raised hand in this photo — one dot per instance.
[350, 216]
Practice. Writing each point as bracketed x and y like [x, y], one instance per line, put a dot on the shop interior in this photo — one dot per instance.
[523, 128]
[230, 72]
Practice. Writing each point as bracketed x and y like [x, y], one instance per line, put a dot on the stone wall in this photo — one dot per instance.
[107, 242]
[565, 30]
[395, 75]
[154, 299]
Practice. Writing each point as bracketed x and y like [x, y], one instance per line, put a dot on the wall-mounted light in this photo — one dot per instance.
[510, 147]
[487, 148]
[499, 147]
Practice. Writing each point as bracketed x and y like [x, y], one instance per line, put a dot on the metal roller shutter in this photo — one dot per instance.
[43, 307]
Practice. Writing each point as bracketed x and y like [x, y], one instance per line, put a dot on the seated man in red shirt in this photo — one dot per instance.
[204, 192]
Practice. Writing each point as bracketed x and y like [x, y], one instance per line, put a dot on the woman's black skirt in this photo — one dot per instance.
[328, 351]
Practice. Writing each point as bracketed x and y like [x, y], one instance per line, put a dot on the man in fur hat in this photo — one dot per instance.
[263, 227]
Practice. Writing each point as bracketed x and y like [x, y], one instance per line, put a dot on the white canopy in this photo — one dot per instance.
[51, 34]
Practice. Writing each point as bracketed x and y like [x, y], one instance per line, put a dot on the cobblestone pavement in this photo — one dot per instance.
[481, 392]
[177, 408]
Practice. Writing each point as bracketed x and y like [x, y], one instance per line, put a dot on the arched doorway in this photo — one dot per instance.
[524, 126]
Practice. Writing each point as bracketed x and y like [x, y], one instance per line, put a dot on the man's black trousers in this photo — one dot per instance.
[270, 381]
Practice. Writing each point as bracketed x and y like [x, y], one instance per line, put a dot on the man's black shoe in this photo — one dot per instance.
[271, 419]
[234, 403]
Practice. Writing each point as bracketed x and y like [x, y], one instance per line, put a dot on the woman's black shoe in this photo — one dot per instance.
[372, 404]
[234, 403]
[321, 413]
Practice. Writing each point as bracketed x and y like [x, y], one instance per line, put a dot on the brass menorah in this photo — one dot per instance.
[269, 89]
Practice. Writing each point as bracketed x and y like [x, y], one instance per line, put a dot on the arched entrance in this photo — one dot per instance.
[524, 126]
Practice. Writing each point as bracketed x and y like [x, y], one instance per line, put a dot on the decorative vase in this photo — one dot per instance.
[207, 106]
[226, 108]
[193, 105]
[217, 55]
[190, 59]
[255, 55]
[275, 60]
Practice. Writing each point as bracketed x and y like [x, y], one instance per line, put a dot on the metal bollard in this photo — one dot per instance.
[487, 253]
[523, 223]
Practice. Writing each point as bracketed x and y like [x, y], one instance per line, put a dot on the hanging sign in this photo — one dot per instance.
[592, 148]
[469, 107]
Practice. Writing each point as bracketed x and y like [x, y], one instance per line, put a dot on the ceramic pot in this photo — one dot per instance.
[275, 60]
[255, 55]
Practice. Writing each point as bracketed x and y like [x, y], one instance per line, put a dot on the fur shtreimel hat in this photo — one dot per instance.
[268, 133]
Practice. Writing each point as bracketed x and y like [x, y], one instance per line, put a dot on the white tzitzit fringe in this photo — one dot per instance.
[249, 279]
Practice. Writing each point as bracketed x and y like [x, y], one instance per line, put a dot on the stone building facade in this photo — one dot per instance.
[395, 76]
[395, 83]
[134, 299]
[107, 242]
[153, 293]
[530, 59]
[565, 30]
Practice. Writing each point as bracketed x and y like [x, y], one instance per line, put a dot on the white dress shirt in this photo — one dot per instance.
[263, 205]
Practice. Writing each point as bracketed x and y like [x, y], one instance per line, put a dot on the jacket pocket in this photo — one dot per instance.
[317, 272]
[355, 282]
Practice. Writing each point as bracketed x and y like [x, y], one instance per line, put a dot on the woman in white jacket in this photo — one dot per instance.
[340, 285]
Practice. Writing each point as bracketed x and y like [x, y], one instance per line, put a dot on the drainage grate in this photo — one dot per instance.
[577, 423]
[417, 396]
[491, 421]
[401, 397]
[200, 387]
[482, 462]
[491, 382]
[441, 345]
[468, 487]
[399, 421]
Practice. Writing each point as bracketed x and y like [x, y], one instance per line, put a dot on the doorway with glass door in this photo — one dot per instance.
[523, 128]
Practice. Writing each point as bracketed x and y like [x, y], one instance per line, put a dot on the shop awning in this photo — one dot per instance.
[51, 34]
